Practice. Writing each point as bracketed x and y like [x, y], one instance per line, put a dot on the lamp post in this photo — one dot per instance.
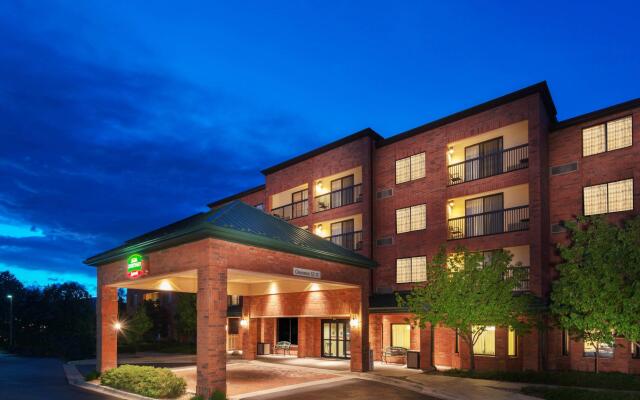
[10, 297]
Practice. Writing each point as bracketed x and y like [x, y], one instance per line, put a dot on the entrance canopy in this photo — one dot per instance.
[240, 223]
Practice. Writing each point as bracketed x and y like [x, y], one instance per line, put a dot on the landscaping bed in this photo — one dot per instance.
[577, 394]
[145, 381]
[602, 380]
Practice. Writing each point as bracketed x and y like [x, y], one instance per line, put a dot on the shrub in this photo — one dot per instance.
[145, 381]
[218, 395]
[92, 376]
[577, 394]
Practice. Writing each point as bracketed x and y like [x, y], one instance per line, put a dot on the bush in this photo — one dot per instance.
[145, 381]
[93, 375]
[602, 380]
[218, 395]
[577, 394]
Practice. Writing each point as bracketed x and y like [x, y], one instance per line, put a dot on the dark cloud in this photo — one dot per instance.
[92, 153]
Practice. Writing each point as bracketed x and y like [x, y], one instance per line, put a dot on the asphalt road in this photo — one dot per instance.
[24, 378]
[352, 389]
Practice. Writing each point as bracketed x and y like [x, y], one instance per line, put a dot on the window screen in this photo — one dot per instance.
[411, 218]
[608, 197]
[609, 136]
[411, 269]
[410, 168]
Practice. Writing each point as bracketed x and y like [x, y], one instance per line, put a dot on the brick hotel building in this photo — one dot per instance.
[370, 211]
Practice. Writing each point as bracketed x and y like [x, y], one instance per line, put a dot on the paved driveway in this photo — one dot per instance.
[352, 389]
[24, 378]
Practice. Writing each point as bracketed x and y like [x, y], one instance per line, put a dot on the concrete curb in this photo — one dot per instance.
[75, 378]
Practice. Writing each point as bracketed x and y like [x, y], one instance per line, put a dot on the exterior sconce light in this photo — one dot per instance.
[165, 285]
[319, 229]
[354, 322]
[450, 150]
[244, 322]
[451, 204]
[319, 187]
[117, 326]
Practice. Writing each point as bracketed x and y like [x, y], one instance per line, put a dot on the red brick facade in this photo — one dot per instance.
[551, 198]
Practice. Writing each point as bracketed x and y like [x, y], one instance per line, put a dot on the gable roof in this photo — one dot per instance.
[240, 223]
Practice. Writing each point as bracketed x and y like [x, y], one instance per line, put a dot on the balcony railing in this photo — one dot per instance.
[489, 223]
[349, 240]
[292, 210]
[488, 165]
[523, 278]
[339, 198]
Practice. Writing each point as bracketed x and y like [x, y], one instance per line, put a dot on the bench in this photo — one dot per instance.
[284, 346]
[394, 352]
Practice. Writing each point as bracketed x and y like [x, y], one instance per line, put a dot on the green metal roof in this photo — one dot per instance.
[240, 223]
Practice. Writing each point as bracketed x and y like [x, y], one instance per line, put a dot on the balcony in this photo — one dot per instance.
[339, 198]
[489, 223]
[523, 281]
[497, 163]
[292, 210]
[349, 240]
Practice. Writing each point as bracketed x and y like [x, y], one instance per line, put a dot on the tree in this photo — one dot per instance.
[9, 285]
[597, 295]
[466, 292]
[186, 316]
[136, 327]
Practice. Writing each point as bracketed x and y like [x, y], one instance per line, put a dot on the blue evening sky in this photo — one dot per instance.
[117, 117]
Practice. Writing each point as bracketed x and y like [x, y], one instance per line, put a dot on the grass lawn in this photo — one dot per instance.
[602, 380]
[578, 394]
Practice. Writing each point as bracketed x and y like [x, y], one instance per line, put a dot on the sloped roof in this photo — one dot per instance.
[240, 223]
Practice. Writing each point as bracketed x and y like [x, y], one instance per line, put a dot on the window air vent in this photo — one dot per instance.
[385, 241]
[384, 193]
[564, 169]
[558, 228]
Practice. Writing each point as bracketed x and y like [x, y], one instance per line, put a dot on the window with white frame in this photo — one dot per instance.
[486, 343]
[608, 197]
[412, 218]
[411, 269]
[609, 136]
[410, 168]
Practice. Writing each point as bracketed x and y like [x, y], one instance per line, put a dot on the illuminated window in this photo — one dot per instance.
[401, 335]
[486, 343]
[410, 168]
[233, 300]
[512, 343]
[566, 341]
[608, 197]
[412, 269]
[604, 350]
[635, 350]
[411, 218]
[155, 296]
[609, 136]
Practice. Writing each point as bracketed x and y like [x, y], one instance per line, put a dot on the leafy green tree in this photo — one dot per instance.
[597, 295]
[466, 292]
[136, 328]
[186, 316]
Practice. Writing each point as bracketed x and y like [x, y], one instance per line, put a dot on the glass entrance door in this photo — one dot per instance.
[336, 338]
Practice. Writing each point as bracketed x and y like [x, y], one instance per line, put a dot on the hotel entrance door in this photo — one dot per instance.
[336, 338]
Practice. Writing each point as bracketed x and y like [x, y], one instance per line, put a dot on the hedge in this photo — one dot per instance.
[145, 381]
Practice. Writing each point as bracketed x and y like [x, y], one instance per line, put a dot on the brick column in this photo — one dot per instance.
[211, 321]
[360, 335]
[375, 335]
[249, 332]
[304, 344]
[107, 338]
[426, 355]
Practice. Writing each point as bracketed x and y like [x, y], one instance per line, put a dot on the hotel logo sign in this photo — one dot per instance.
[307, 273]
[135, 266]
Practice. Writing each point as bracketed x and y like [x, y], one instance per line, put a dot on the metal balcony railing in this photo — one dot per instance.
[488, 165]
[338, 198]
[523, 281]
[349, 240]
[292, 210]
[489, 223]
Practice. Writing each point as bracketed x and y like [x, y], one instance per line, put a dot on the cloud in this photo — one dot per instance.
[98, 152]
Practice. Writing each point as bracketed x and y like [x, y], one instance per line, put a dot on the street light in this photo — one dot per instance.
[10, 297]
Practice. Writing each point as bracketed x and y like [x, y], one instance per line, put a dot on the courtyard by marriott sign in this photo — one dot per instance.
[135, 266]
[307, 273]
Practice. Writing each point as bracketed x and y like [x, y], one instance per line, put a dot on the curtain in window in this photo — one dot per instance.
[401, 335]
[486, 343]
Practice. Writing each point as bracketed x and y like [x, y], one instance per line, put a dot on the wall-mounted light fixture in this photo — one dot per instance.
[166, 285]
[319, 229]
[451, 203]
[319, 188]
[354, 322]
[244, 322]
[450, 150]
[117, 326]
